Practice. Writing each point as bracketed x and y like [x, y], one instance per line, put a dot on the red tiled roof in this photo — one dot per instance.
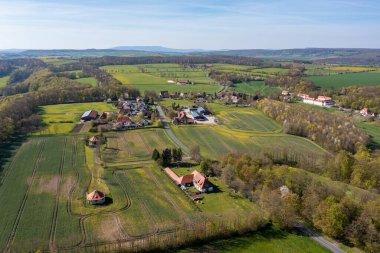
[95, 195]
[187, 179]
[200, 180]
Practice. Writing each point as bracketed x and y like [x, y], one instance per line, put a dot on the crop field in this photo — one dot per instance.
[156, 76]
[59, 119]
[269, 240]
[215, 141]
[135, 145]
[250, 70]
[3, 81]
[57, 61]
[255, 87]
[344, 80]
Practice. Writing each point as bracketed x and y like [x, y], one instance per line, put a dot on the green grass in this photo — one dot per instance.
[155, 77]
[87, 80]
[267, 240]
[257, 87]
[3, 81]
[54, 115]
[344, 80]
[373, 130]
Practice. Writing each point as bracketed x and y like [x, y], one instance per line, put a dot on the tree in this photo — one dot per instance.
[331, 217]
[155, 155]
[195, 153]
[205, 167]
[166, 157]
[179, 155]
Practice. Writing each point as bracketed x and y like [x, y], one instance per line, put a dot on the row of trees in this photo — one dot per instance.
[354, 219]
[330, 131]
[167, 156]
[230, 78]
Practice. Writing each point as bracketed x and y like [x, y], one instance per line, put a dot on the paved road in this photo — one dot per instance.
[169, 131]
[319, 239]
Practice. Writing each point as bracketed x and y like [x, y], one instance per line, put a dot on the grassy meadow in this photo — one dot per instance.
[3, 81]
[60, 119]
[269, 240]
[255, 87]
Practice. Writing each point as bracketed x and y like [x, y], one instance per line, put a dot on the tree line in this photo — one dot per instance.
[330, 131]
[288, 195]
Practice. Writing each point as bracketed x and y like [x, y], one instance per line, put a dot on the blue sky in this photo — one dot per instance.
[207, 24]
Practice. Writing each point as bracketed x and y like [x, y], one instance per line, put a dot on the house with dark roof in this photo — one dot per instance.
[89, 115]
[164, 94]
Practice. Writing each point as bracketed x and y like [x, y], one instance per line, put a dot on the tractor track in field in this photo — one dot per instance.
[53, 229]
[25, 198]
[186, 219]
[127, 149]
[147, 147]
[146, 209]
[10, 166]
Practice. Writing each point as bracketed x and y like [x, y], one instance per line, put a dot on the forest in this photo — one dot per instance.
[330, 131]
[324, 204]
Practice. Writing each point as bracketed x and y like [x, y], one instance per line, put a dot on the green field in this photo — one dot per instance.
[3, 81]
[257, 87]
[156, 76]
[268, 241]
[62, 118]
[344, 80]
[373, 130]
[87, 80]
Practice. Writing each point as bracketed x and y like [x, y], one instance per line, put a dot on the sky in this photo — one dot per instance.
[200, 24]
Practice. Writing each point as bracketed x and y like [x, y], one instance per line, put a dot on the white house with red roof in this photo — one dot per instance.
[96, 198]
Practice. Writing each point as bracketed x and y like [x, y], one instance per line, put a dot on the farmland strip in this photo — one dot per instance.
[22, 207]
[53, 229]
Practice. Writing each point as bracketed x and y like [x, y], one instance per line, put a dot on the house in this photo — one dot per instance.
[93, 141]
[285, 93]
[96, 198]
[302, 95]
[164, 94]
[89, 115]
[201, 182]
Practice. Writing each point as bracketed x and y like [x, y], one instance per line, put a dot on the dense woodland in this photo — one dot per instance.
[359, 97]
[324, 204]
[330, 131]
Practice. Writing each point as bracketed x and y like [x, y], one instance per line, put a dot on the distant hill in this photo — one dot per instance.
[318, 55]
[157, 49]
[322, 55]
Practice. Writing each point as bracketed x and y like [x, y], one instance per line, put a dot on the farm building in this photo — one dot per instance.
[93, 141]
[201, 182]
[320, 101]
[89, 115]
[96, 198]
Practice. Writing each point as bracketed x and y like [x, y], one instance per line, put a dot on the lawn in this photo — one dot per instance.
[3, 81]
[268, 240]
[59, 119]
[344, 80]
